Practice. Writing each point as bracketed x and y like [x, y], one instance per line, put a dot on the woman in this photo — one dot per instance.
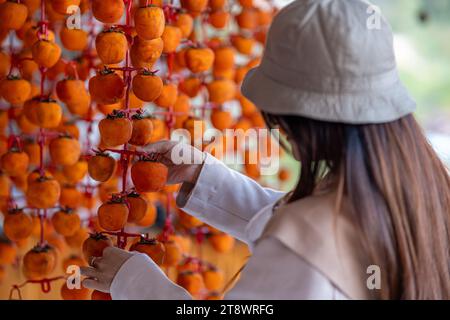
[370, 216]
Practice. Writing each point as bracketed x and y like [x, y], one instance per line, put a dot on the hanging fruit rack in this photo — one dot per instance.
[202, 50]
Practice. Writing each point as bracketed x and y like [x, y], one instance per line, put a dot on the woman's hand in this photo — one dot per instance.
[103, 270]
[184, 161]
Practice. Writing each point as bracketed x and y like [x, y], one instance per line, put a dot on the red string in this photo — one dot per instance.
[45, 285]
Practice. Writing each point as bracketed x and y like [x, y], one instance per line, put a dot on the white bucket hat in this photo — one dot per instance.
[323, 61]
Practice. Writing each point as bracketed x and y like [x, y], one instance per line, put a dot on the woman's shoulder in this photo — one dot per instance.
[316, 229]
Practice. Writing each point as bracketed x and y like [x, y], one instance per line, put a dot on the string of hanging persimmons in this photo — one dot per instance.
[66, 177]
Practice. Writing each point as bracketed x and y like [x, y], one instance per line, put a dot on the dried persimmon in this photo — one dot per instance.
[149, 22]
[152, 248]
[17, 225]
[66, 222]
[113, 215]
[142, 131]
[94, 245]
[39, 262]
[149, 176]
[115, 129]
[65, 150]
[138, 207]
[43, 193]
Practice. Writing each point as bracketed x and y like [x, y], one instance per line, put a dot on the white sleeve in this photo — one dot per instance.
[139, 278]
[276, 273]
[225, 198]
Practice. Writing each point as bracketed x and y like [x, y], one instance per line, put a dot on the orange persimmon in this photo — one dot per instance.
[144, 53]
[73, 39]
[32, 149]
[147, 86]
[66, 222]
[142, 130]
[243, 44]
[150, 216]
[111, 46]
[225, 58]
[43, 112]
[102, 166]
[98, 295]
[182, 106]
[217, 4]
[246, 3]
[221, 91]
[65, 150]
[152, 248]
[94, 245]
[15, 90]
[199, 59]
[108, 11]
[174, 254]
[168, 96]
[17, 225]
[191, 281]
[184, 242]
[14, 162]
[73, 260]
[160, 130]
[45, 53]
[43, 193]
[172, 38]
[81, 293]
[76, 172]
[107, 87]
[137, 207]
[188, 221]
[149, 176]
[39, 262]
[70, 91]
[221, 119]
[219, 18]
[76, 241]
[195, 7]
[185, 22]
[80, 108]
[62, 6]
[115, 129]
[213, 278]
[5, 63]
[12, 15]
[191, 86]
[113, 215]
[32, 6]
[70, 196]
[149, 22]
[8, 252]
[221, 242]
[27, 65]
[247, 19]
[5, 185]
[108, 108]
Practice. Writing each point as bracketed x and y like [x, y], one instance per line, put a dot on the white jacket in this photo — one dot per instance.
[281, 266]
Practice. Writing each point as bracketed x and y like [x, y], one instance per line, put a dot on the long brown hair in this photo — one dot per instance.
[397, 191]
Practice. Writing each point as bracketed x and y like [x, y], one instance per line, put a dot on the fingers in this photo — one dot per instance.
[95, 279]
[93, 261]
[89, 272]
[160, 147]
[92, 284]
[111, 251]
